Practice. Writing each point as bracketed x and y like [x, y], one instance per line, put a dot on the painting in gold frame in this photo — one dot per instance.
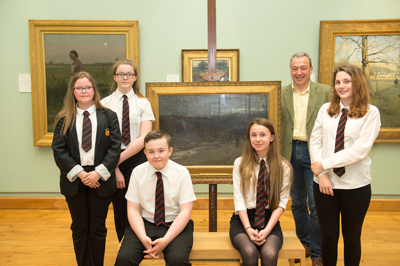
[196, 61]
[43, 104]
[208, 120]
[357, 32]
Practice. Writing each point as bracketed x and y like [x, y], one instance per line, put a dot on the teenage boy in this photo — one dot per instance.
[160, 200]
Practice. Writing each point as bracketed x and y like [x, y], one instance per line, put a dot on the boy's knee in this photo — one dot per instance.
[126, 257]
[177, 259]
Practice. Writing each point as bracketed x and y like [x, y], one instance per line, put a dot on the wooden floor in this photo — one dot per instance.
[43, 237]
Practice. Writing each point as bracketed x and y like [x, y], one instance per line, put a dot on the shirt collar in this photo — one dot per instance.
[342, 106]
[259, 159]
[166, 171]
[91, 110]
[304, 92]
[129, 94]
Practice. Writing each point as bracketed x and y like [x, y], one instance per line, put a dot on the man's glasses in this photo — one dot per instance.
[81, 89]
[128, 75]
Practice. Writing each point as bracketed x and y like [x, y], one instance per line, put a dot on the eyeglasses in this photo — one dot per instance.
[87, 89]
[128, 75]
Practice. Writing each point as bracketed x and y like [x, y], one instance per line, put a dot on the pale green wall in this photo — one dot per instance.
[266, 32]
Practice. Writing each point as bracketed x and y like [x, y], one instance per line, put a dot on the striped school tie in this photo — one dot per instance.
[159, 212]
[126, 132]
[86, 132]
[262, 197]
[339, 143]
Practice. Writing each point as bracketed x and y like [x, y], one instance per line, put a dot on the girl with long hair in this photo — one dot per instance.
[261, 179]
[135, 119]
[86, 146]
[343, 135]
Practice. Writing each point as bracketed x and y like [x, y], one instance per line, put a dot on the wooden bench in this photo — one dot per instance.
[216, 246]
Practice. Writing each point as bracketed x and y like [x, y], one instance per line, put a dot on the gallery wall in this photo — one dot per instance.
[266, 32]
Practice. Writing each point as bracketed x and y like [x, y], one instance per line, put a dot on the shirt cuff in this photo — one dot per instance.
[72, 174]
[322, 173]
[327, 164]
[103, 172]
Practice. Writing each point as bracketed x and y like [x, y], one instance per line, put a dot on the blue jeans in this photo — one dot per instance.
[306, 219]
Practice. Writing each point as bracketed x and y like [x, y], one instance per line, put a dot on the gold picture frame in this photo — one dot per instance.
[39, 30]
[192, 57]
[193, 116]
[329, 30]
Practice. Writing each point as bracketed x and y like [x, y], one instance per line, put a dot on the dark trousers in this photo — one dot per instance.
[88, 213]
[176, 253]
[118, 199]
[352, 206]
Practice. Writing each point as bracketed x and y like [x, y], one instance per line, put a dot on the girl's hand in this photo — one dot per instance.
[120, 179]
[325, 185]
[255, 236]
[263, 234]
[92, 179]
[316, 168]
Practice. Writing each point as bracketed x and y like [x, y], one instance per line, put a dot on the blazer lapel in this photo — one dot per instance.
[288, 98]
[312, 101]
[101, 121]
[74, 135]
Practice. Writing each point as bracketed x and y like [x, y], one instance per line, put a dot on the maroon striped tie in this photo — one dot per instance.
[86, 132]
[159, 215]
[262, 197]
[339, 143]
[126, 132]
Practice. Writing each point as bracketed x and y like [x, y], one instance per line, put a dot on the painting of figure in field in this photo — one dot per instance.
[67, 54]
[209, 129]
[201, 66]
[378, 56]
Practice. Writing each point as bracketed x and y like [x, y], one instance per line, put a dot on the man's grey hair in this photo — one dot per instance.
[301, 54]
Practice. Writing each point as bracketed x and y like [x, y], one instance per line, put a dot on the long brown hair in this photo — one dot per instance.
[360, 99]
[275, 163]
[135, 85]
[68, 111]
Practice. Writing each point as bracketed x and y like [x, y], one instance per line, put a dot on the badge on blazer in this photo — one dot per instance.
[107, 132]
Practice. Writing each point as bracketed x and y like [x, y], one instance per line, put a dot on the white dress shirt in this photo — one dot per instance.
[87, 158]
[178, 189]
[139, 110]
[249, 201]
[359, 136]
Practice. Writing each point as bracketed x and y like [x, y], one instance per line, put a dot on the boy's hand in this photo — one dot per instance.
[147, 243]
[158, 246]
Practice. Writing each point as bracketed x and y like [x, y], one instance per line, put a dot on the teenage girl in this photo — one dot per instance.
[342, 189]
[261, 172]
[86, 146]
[135, 119]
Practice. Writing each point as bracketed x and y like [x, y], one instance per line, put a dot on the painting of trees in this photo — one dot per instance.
[369, 50]
[378, 56]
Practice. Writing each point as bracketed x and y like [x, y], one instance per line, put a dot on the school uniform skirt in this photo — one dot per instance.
[236, 226]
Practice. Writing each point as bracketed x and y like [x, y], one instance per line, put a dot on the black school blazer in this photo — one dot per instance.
[108, 149]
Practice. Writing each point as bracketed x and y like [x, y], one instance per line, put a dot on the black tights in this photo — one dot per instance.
[249, 251]
[351, 205]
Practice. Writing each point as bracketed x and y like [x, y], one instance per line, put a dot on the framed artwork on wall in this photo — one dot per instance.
[207, 121]
[196, 61]
[373, 46]
[61, 48]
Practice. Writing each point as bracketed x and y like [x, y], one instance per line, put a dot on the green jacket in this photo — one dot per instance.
[318, 96]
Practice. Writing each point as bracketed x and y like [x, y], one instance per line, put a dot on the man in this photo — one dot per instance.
[301, 101]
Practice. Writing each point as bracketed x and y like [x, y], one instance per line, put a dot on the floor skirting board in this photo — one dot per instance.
[202, 203]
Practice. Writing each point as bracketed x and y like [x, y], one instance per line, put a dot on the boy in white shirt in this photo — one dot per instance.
[154, 228]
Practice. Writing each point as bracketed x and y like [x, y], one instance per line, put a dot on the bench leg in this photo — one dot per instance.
[291, 262]
[212, 207]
